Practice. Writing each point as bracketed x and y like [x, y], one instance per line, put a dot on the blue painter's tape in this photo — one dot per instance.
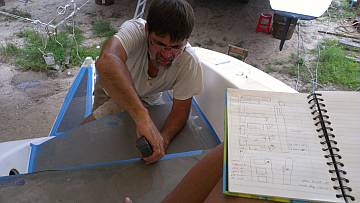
[13, 180]
[67, 101]
[88, 166]
[88, 107]
[127, 161]
[5, 178]
[59, 134]
[33, 153]
[182, 154]
[207, 123]
[168, 96]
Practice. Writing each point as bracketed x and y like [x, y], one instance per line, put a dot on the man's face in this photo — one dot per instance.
[162, 50]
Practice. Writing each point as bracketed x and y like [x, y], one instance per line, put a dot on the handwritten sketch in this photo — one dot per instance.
[287, 171]
[255, 99]
[263, 170]
[273, 147]
[262, 129]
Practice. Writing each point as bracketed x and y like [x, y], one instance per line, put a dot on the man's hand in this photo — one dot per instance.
[148, 129]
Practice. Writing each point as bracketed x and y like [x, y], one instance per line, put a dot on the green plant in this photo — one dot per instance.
[270, 68]
[335, 68]
[8, 50]
[62, 46]
[301, 62]
[102, 28]
[291, 70]
[279, 63]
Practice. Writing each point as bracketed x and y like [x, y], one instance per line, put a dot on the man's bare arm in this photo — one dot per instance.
[116, 79]
[176, 120]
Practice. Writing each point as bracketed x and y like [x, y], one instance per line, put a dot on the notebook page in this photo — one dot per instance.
[273, 148]
[344, 112]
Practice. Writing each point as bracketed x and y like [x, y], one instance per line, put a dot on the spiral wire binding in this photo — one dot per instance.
[323, 126]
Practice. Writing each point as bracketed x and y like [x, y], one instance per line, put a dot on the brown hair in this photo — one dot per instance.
[172, 17]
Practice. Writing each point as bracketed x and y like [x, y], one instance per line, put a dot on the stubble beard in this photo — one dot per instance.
[156, 60]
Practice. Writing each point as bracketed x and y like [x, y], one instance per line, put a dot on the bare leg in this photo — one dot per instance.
[100, 95]
[100, 99]
[203, 183]
[109, 107]
[200, 180]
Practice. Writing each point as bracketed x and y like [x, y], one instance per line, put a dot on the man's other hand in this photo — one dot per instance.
[148, 129]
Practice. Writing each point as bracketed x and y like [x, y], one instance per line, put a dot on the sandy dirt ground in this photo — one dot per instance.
[30, 101]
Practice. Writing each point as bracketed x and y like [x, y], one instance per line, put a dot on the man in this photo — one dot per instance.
[144, 59]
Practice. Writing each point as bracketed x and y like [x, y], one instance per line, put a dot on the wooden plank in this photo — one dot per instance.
[353, 59]
[339, 35]
[349, 43]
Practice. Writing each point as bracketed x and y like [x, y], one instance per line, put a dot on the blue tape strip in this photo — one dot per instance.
[87, 166]
[127, 161]
[6, 178]
[168, 96]
[67, 101]
[13, 180]
[33, 153]
[182, 154]
[88, 107]
[207, 123]
[59, 134]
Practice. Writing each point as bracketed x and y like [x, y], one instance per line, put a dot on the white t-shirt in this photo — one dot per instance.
[184, 76]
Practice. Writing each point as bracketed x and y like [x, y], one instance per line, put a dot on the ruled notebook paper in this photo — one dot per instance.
[273, 148]
[344, 112]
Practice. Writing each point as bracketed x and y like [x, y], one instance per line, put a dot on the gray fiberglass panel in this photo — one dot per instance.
[143, 183]
[76, 110]
[113, 138]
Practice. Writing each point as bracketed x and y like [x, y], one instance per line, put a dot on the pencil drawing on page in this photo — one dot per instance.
[262, 132]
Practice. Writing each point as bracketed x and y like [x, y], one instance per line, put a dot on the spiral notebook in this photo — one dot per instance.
[292, 146]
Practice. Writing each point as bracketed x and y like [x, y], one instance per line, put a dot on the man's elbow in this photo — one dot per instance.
[112, 53]
[101, 61]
